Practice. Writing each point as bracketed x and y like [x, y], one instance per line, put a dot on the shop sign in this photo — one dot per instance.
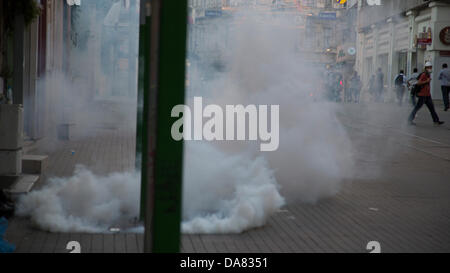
[424, 41]
[213, 13]
[374, 2]
[327, 15]
[424, 38]
[351, 51]
[444, 36]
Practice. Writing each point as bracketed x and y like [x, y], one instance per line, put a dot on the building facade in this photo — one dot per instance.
[36, 51]
[402, 35]
[321, 23]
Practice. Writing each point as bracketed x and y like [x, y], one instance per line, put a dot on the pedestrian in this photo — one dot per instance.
[3, 99]
[379, 85]
[444, 77]
[411, 82]
[349, 88]
[339, 87]
[358, 86]
[371, 86]
[355, 87]
[329, 86]
[425, 96]
[400, 81]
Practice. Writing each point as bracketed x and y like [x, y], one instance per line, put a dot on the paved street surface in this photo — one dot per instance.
[399, 194]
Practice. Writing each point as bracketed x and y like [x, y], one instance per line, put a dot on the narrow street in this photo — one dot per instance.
[224, 126]
[399, 195]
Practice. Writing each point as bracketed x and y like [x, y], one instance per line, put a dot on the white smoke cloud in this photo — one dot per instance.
[222, 194]
[229, 187]
[84, 202]
[264, 67]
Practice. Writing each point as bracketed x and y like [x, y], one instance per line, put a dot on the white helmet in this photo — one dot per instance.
[428, 64]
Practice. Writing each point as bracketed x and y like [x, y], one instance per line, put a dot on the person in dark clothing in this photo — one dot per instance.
[379, 85]
[425, 96]
[355, 87]
[371, 86]
[400, 82]
[339, 87]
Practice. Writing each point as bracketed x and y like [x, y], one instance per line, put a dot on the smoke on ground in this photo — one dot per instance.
[226, 193]
[222, 194]
[84, 202]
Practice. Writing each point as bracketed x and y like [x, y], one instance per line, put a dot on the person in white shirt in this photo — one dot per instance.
[444, 77]
[400, 83]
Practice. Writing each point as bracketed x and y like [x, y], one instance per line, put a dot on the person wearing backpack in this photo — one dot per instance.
[411, 84]
[425, 96]
[400, 82]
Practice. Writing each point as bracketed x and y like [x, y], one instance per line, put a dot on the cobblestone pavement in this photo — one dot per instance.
[398, 196]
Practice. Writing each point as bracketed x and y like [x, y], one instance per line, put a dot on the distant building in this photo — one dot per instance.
[346, 51]
[202, 17]
[206, 43]
[320, 21]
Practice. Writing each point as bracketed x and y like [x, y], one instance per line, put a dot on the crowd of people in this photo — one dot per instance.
[341, 87]
[417, 86]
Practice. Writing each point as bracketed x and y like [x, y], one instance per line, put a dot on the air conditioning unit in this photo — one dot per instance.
[11, 126]
[10, 162]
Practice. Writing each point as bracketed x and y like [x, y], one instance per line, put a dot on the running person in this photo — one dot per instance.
[425, 96]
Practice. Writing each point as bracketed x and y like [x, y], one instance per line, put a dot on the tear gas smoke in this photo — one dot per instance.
[222, 194]
[262, 64]
[84, 202]
[228, 187]
[226, 194]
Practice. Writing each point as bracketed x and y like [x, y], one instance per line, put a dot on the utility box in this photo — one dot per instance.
[34, 164]
[10, 162]
[65, 131]
[11, 127]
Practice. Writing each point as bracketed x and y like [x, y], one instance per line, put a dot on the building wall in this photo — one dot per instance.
[50, 65]
[204, 25]
[440, 18]
[373, 14]
[388, 40]
[321, 37]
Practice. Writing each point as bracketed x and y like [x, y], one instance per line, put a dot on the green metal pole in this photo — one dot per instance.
[142, 97]
[169, 153]
[163, 155]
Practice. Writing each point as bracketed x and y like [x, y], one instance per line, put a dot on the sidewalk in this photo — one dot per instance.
[401, 201]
